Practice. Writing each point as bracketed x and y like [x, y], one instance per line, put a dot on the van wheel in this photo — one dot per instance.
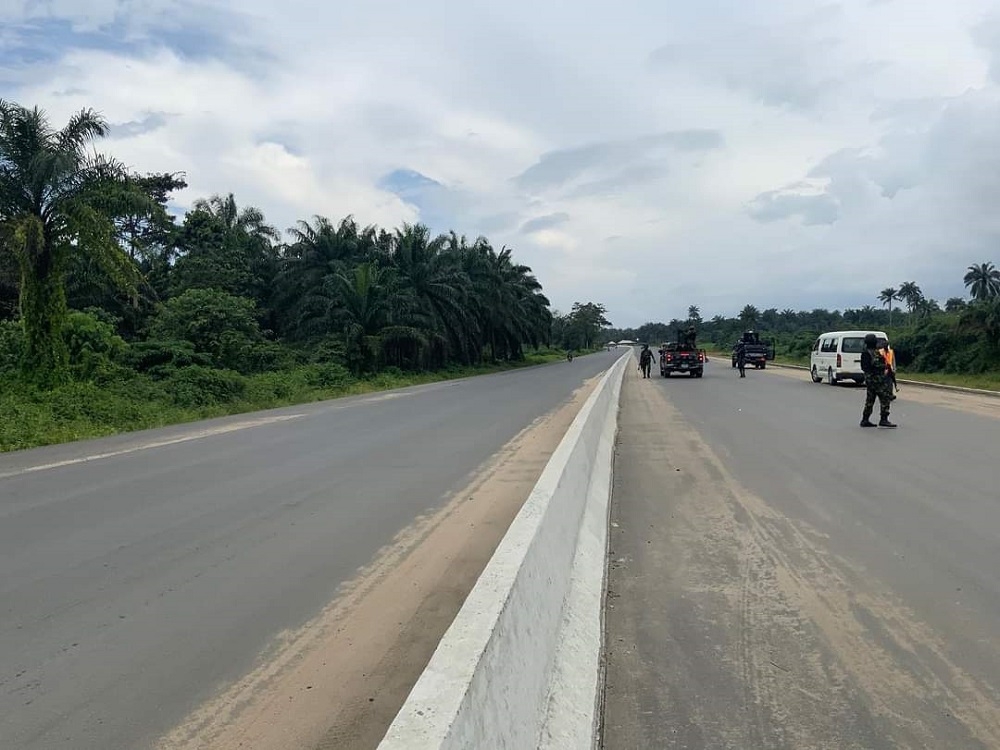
[815, 376]
[830, 379]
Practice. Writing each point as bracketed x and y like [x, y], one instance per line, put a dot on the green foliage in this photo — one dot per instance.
[202, 386]
[216, 323]
[154, 355]
[582, 328]
[58, 201]
[11, 346]
[93, 346]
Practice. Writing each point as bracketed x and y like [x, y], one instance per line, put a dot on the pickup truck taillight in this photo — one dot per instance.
[839, 361]
[701, 357]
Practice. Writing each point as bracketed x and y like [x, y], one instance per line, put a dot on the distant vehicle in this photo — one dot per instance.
[682, 357]
[757, 352]
[836, 356]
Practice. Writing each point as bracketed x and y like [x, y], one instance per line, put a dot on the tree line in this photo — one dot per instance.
[960, 336]
[96, 274]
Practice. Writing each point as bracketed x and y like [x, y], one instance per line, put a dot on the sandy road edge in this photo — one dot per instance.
[338, 681]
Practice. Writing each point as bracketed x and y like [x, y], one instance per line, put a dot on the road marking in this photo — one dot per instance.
[246, 424]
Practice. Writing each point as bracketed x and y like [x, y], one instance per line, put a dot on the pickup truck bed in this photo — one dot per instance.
[691, 361]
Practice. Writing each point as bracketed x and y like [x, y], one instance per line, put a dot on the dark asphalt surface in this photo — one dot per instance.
[134, 585]
[781, 578]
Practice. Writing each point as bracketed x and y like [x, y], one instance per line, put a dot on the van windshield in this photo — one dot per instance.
[853, 345]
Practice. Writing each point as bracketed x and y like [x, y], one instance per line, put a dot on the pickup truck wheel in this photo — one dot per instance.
[815, 376]
[763, 365]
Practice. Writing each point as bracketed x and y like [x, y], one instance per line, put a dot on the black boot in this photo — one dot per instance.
[884, 422]
[867, 422]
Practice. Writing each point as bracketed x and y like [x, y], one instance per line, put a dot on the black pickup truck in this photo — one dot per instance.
[757, 352]
[682, 357]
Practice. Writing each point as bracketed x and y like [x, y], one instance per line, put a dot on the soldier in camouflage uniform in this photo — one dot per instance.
[877, 381]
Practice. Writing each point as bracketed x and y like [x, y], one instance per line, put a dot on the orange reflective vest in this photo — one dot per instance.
[890, 357]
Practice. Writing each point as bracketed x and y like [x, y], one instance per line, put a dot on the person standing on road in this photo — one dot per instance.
[877, 383]
[645, 360]
[741, 357]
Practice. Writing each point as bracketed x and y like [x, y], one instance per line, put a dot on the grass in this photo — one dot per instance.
[30, 417]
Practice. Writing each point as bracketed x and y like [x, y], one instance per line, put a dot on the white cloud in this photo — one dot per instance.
[648, 155]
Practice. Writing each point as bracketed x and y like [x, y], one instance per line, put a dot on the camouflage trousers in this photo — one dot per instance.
[877, 388]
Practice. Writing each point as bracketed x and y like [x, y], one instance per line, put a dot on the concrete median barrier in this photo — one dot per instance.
[520, 665]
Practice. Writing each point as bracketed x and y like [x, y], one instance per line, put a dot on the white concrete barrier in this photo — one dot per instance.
[519, 667]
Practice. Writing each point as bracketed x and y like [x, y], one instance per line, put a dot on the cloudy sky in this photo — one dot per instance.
[648, 154]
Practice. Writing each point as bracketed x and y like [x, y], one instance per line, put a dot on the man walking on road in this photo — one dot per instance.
[741, 357]
[645, 360]
[877, 382]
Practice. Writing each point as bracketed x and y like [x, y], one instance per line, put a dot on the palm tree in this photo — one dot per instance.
[57, 201]
[436, 286]
[983, 281]
[911, 294]
[749, 316]
[248, 221]
[507, 300]
[367, 315]
[694, 314]
[954, 304]
[887, 296]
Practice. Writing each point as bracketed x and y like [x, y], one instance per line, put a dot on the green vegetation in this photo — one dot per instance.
[957, 343]
[117, 315]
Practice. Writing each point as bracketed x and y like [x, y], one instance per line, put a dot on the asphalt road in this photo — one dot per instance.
[140, 573]
[781, 578]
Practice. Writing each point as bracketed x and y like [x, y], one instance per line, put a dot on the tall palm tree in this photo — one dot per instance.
[694, 314]
[911, 294]
[367, 315]
[435, 284]
[887, 296]
[305, 295]
[983, 281]
[58, 200]
[749, 316]
[954, 304]
[248, 220]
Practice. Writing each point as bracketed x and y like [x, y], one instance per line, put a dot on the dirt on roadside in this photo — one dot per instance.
[338, 682]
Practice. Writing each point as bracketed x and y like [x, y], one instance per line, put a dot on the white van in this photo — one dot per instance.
[836, 356]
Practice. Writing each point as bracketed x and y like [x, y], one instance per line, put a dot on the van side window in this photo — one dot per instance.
[829, 345]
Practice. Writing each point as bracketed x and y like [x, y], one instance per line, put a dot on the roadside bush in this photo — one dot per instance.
[200, 386]
[94, 347]
[152, 356]
[11, 346]
[215, 323]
